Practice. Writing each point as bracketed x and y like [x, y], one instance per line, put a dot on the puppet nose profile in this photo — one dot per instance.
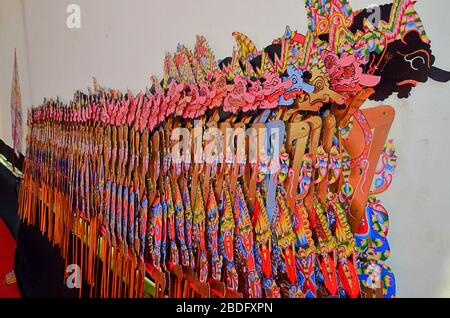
[439, 75]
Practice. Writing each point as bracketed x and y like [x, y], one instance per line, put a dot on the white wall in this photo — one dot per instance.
[12, 35]
[123, 42]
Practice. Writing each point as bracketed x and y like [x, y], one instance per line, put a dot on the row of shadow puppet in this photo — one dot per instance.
[297, 217]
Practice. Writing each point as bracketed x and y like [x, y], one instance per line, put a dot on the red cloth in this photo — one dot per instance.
[7, 250]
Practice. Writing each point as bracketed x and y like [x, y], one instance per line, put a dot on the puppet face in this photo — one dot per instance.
[237, 99]
[218, 89]
[405, 62]
[255, 89]
[221, 82]
[273, 88]
[322, 92]
[297, 87]
[346, 72]
[196, 106]
[204, 95]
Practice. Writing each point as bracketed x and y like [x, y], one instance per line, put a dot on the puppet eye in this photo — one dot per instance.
[329, 62]
[417, 59]
[349, 72]
[417, 62]
[319, 84]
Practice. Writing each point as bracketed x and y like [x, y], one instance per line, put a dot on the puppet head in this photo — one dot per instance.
[406, 58]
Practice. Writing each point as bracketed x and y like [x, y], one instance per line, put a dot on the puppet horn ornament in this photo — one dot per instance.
[154, 189]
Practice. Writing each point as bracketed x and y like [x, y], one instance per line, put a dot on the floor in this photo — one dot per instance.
[7, 250]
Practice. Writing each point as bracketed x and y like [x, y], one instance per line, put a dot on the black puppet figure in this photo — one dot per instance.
[403, 63]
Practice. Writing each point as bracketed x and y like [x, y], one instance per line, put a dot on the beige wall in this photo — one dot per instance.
[123, 42]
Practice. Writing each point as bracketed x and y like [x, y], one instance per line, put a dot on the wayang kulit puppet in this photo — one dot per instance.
[253, 176]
